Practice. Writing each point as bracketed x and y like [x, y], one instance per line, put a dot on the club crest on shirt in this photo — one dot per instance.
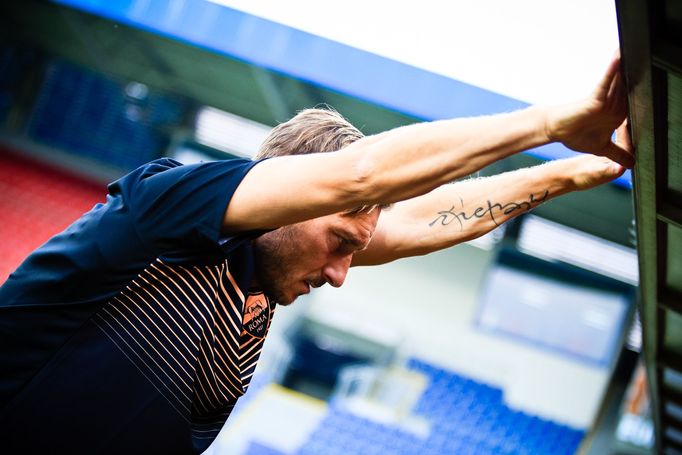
[256, 315]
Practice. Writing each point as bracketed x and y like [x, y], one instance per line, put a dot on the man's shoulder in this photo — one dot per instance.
[158, 165]
[161, 167]
[146, 170]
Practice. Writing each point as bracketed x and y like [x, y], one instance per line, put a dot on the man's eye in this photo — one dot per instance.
[345, 245]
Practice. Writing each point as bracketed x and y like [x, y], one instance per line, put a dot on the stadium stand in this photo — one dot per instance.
[36, 202]
[89, 114]
[466, 417]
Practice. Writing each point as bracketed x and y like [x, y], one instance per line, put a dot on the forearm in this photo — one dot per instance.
[462, 211]
[413, 160]
[393, 166]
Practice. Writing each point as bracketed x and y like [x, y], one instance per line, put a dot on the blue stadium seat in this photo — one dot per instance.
[260, 449]
[467, 417]
[86, 113]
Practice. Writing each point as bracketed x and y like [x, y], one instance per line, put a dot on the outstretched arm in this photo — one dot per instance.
[411, 161]
[462, 211]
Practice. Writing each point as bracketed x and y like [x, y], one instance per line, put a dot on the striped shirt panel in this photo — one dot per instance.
[182, 326]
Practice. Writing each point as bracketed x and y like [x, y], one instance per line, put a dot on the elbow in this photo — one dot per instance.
[376, 177]
[364, 187]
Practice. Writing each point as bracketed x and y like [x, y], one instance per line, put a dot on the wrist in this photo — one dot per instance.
[552, 122]
[545, 115]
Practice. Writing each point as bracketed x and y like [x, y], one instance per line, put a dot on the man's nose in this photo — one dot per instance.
[336, 270]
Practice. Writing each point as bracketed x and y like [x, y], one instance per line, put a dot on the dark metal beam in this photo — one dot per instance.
[670, 214]
[634, 30]
[668, 56]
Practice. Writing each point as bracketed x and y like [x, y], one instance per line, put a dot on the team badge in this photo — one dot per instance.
[256, 315]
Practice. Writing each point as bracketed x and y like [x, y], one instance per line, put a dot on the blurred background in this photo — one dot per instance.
[526, 341]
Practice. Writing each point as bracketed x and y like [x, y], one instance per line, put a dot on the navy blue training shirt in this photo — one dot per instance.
[134, 330]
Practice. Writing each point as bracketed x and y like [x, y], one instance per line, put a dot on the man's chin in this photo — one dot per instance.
[286, 300]
[281, 298]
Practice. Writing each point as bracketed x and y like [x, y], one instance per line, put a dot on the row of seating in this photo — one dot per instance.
[88, 114]
[15, 63]
[37, 202]
[466, 417]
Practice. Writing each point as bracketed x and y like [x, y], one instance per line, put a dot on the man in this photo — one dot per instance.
[137, 328]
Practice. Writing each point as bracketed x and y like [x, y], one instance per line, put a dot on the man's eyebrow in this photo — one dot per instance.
[353, 239]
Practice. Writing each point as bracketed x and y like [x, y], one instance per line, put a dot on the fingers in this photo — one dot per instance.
[590, 171]
[615, 170]
[624, 143]
[623, 137]
[616, 89]
[619, 154]
[612, 170]
[603, 88]
[608, 170]
[617, 99]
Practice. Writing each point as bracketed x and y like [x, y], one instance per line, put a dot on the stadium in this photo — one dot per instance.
[558, 332]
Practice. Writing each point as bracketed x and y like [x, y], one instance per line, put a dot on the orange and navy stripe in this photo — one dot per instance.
[181, 326]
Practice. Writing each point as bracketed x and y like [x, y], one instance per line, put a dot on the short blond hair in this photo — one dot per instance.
[312, 130]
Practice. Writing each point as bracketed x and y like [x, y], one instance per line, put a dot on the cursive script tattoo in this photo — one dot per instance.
[457, 214]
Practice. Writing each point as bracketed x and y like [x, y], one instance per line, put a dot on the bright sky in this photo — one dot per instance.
[538, 51]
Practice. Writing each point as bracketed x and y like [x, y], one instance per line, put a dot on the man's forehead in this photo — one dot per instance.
[363, 220]
[367, 213]
[359, 227]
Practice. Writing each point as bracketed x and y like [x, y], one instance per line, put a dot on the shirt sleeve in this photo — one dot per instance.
[174, 205]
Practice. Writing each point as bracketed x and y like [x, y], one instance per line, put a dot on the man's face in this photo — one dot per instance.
[292, 259]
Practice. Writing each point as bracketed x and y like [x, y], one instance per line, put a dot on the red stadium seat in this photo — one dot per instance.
[36, 202]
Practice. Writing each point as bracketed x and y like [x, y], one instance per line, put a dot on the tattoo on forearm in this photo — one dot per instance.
[454, 213]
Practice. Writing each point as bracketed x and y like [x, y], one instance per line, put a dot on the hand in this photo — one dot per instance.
[587, 125]
[589, 171]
